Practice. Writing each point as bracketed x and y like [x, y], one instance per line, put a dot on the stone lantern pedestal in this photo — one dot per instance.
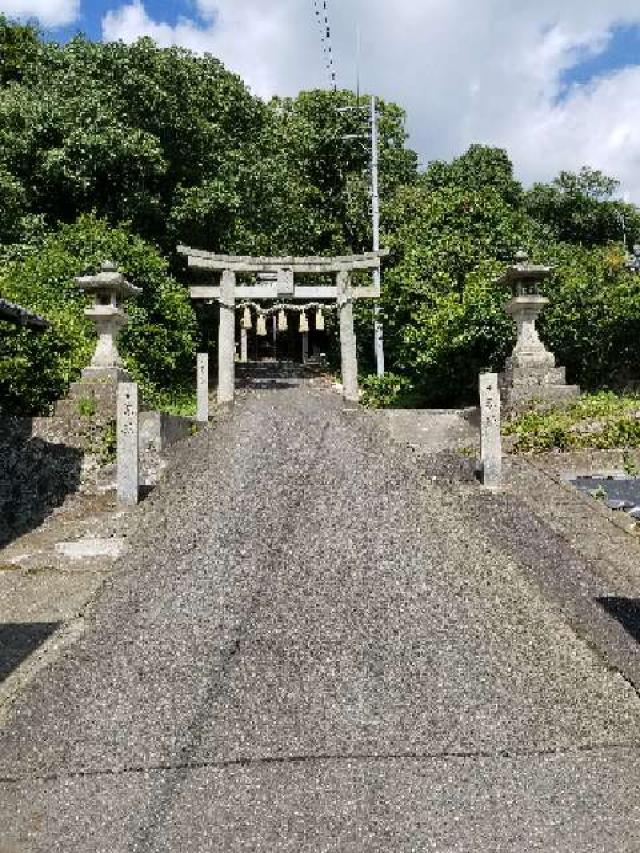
[106, 363]
[96, 393]
[531, 373]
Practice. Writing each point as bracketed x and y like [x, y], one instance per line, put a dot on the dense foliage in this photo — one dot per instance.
[123, 151]
[453, 232]
[603, 420]
[35, 369]
[580, 208]
[176, 145]
[450, 234]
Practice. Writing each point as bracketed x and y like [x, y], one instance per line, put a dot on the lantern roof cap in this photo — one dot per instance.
[523, 271]
[108, 279]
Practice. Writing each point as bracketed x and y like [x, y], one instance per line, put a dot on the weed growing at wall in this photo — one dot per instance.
[599, 421]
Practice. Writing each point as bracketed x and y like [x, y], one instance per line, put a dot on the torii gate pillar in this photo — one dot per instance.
[227, 338]
[244, 345]
[348, 349]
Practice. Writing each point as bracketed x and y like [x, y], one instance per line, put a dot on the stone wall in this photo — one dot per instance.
[159, 430]
[43, 460]
[36, 475]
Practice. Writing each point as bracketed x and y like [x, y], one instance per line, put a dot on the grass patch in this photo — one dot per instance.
[178, 401]
[599, 421]
[87, 407]
[107, 448]
[389, 391]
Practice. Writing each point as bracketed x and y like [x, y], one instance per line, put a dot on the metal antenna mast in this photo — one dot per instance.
[358, 64]
[325, 37]
[378, 333]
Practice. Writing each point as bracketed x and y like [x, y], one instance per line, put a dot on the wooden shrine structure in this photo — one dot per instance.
[279, 278]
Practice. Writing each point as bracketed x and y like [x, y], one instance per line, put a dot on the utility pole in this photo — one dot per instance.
[378, 334]
[623, 225]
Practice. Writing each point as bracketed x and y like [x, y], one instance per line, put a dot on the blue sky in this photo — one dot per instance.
[92, 12]
[555, 82]
[622, 50]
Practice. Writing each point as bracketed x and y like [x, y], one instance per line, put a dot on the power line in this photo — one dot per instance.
[322, 18]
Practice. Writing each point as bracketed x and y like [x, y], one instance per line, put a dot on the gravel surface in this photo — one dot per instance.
[308, 647]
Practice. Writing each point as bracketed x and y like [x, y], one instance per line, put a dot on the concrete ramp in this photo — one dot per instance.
[309, 647]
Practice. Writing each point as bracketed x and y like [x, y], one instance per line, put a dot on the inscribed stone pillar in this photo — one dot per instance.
[244, 345]
[490, 438]
[305, 347]
[202, 394]
[347, 338]
[227, 338]
[127, 459]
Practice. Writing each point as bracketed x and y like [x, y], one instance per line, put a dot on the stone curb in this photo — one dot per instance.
[617, 518]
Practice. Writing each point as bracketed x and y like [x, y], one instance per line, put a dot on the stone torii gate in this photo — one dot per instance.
[281, 274]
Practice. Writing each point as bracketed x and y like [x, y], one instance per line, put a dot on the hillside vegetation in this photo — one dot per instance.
[123, 151]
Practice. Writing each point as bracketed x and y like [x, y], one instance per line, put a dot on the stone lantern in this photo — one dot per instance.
[531, 373]
[95, 395]
[109, 290]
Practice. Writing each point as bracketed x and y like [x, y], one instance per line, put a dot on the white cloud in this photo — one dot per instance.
[50, 13]
[253, 39]
[465, 70]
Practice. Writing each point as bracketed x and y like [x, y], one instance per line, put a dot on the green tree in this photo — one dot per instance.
[301, 186]
[177, 146]
[453, 232]
[19, 46]
[121, 129]
[325, 136]
[593, 320]
[158, 346]
[13, 206]
[479, 168]
[580, 208]
[449, 237]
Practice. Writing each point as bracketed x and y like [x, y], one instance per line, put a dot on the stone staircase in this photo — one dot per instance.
[254, 375]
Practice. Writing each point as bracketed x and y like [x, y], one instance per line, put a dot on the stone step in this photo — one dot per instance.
[89, 399]
[522, 395]
[533, 376]
[250, 372]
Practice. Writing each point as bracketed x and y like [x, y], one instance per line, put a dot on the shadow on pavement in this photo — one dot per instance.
[35, 477]
[626, 611]
[144, 491]
[18, 640]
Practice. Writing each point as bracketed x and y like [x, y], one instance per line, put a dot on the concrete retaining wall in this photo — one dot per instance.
[159, 430]
[36, 476]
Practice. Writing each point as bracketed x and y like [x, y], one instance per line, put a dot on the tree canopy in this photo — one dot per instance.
[125, 150]
[581, 208]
